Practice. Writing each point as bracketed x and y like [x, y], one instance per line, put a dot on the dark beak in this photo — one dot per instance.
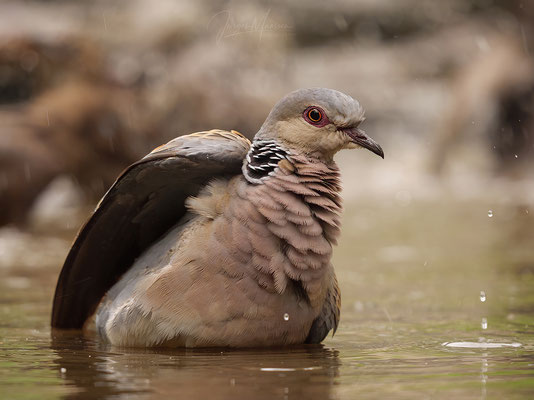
[359, 137]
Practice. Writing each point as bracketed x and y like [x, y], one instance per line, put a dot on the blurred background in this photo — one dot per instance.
[88, 87]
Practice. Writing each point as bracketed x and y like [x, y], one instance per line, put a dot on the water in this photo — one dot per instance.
[411, 278]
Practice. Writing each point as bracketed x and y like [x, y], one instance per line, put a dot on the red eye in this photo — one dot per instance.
[315, 116]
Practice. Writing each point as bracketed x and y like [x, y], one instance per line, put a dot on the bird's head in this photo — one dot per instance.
[318, 122]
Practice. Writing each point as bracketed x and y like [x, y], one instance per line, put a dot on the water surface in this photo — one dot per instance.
[438, 302]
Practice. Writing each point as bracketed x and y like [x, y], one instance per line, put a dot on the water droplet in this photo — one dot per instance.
[490, 213]
[515, 155]
[286, 317]
[484, 323]
[359, 306]
[482, 296]
[425, 263]
[63, 370]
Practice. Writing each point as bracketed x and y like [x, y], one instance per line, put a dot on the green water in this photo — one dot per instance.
[411, 279]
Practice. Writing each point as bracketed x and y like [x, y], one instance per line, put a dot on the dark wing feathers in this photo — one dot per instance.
[145, 201]
[329, 317]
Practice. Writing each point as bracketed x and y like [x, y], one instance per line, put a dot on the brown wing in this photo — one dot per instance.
[329, 317]
[145, 201]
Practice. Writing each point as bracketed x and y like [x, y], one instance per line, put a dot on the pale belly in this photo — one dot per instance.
[173, 297]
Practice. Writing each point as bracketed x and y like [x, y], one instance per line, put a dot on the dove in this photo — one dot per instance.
[215, 241]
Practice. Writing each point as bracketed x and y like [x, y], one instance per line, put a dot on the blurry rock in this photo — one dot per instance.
[493, 98]
[317, 22]
[59, 207]
[88, 131]
[228, 78]
[29, 65]
[27, 165]
[95, 130]
[21, 250]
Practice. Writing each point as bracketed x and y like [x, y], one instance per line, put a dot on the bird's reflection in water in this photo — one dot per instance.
[96, 371]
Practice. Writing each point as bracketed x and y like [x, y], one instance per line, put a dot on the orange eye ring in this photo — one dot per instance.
[315, 114]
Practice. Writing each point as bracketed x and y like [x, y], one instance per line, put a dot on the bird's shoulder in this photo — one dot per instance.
[213, 145]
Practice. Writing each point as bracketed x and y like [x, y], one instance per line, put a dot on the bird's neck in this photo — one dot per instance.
[262, 160]
[318, 186]
[299, 197]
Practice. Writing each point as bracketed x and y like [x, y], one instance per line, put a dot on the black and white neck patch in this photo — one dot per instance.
[262, 159]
